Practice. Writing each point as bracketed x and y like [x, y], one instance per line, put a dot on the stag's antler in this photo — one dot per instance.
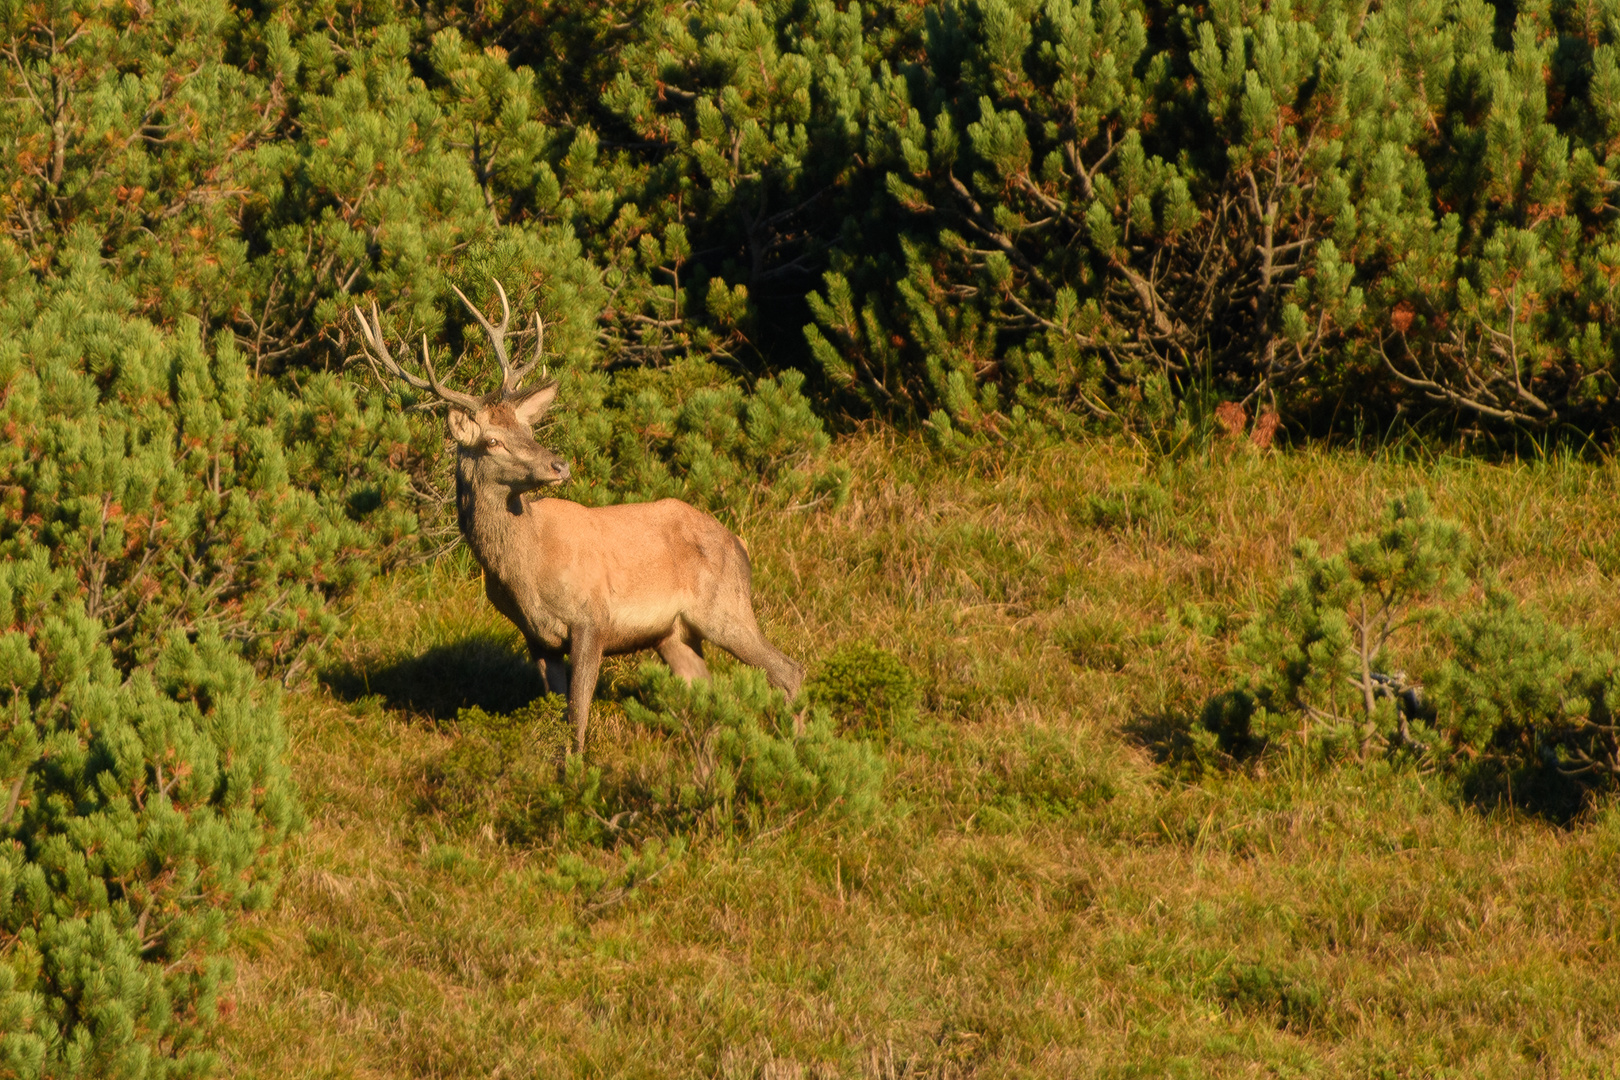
[378, 352]
[511, 378]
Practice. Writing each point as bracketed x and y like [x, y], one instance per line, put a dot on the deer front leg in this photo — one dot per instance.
[585, 649]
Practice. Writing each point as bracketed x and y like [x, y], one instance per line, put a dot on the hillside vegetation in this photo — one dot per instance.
[893, 289]
[1042, 889]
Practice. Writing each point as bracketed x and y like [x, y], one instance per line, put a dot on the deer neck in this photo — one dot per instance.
[490, 516]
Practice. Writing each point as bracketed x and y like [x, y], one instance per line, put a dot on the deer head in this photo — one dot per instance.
[494, 433]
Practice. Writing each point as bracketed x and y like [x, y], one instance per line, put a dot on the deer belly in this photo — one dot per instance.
[633, 626]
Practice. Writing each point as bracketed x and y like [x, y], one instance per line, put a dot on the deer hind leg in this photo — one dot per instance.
[684, 654]
[741, 637]
[553, 668]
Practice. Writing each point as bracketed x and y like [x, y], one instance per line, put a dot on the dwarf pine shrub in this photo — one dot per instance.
[1520, 688]
[726, 753]
[1372, 648]
[750, 753]
[692, 432]
[501, 763]
[982, 215]
[180, 492]
[139, 809]
[1321, 655]
[171, 532]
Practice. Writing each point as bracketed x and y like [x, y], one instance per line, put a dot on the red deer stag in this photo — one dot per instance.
[586, 581]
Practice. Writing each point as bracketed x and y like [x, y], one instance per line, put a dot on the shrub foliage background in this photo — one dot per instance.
[980, 209]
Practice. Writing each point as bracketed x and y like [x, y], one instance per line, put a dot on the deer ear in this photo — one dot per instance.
[533, 405]
[463, 428]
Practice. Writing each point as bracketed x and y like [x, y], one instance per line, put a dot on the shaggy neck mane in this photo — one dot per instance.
[483, 512]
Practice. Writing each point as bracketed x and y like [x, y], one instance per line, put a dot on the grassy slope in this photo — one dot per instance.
[1041, 899]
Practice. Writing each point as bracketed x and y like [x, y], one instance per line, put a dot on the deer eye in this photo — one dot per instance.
[492, 444]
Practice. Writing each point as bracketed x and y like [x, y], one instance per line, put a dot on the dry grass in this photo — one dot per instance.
[1362, 921]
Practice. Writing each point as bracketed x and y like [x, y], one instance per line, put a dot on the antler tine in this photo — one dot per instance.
[378, 345]
[496, 334]
[539, 343]
[506, 309]
[466, 402]
[514, 379]
[378, 348]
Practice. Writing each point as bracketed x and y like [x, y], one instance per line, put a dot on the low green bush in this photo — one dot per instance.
[1381, 647]
[728, 754]
[985, 216]
[501, 763]
[139, 810]
[752, 754]
[867, 688]
[1528, 706]
[1320, 658]
[182, 493]
[694, 432]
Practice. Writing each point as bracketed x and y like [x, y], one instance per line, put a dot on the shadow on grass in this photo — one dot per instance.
[1170, 738]
[1167, 735]
[1541, 791]
[485, 672]
[1218, 738]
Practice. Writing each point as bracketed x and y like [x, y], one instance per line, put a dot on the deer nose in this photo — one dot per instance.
[561, 469]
